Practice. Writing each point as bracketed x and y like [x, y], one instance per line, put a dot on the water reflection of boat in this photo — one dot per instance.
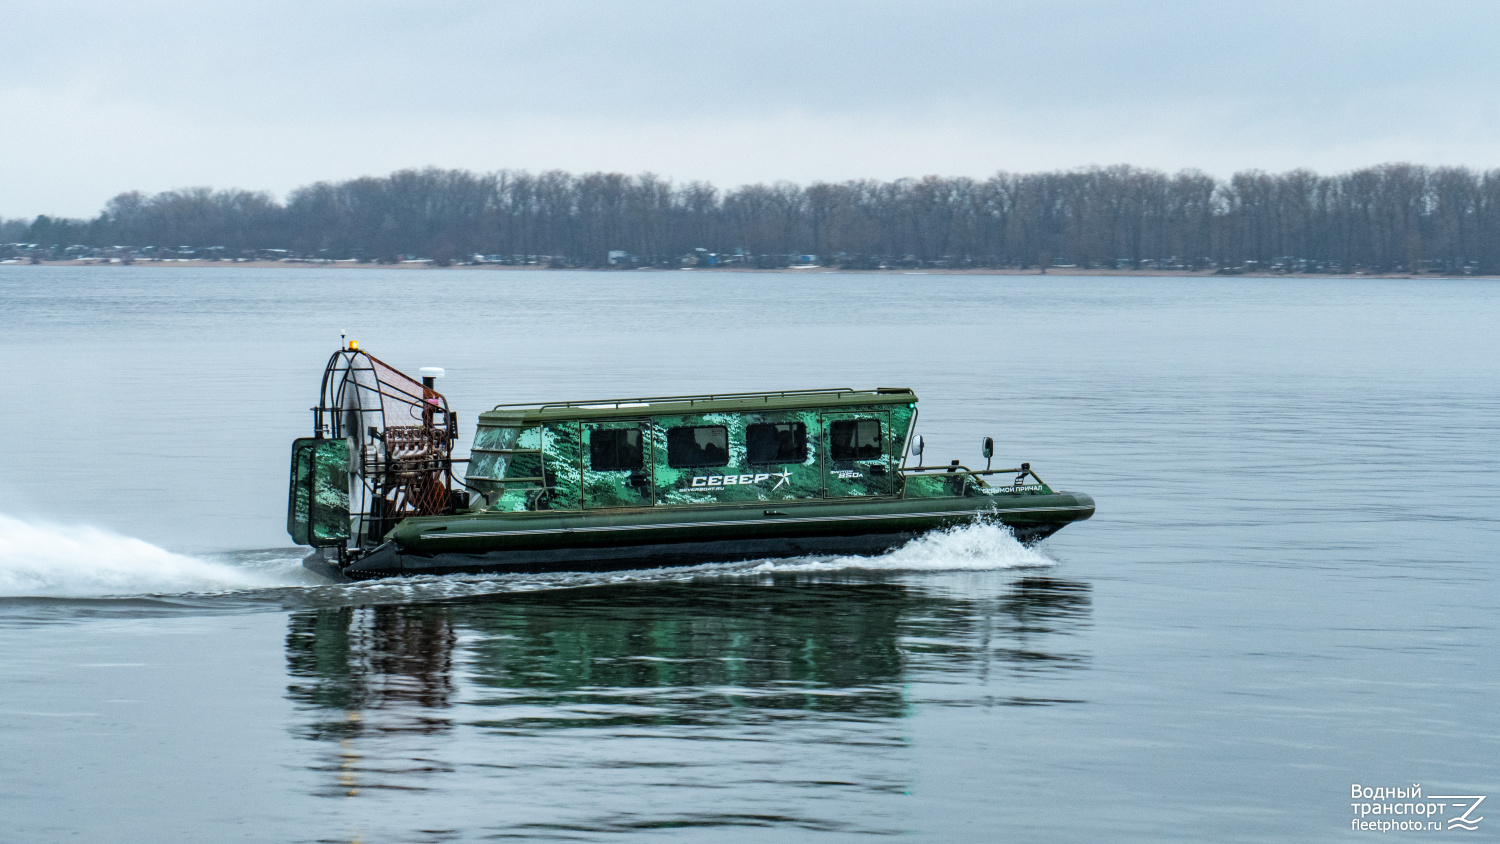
[809, 660]
[628, 483]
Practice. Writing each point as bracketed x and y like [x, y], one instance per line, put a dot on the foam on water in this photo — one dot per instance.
[978, 546]
[63, 561]
[48, 560]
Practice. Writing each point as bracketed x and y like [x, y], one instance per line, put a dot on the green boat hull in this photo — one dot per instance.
[658, 537]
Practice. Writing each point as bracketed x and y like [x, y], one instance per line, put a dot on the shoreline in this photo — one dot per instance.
[193, 263]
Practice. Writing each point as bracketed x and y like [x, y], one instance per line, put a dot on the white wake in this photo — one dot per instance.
[980, 546]
[49, 560]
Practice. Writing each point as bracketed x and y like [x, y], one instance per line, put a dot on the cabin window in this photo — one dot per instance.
[615, 450]
[776, 442]
[697, 446]
[854, 439]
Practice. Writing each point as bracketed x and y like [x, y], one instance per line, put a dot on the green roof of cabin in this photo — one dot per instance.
[531, 414]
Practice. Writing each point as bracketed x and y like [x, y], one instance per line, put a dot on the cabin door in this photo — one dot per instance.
[857, 454]
[318, 496]
[616, 470]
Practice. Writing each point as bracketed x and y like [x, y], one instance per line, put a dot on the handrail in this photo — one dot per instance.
[615, 404]
[960, 468]
[956, 468]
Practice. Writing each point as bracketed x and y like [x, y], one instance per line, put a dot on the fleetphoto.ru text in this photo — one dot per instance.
[1388, 809]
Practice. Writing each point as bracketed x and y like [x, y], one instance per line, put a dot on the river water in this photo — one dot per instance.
[1290, 586]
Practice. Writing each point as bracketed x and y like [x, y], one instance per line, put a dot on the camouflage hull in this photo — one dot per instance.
[657, 537]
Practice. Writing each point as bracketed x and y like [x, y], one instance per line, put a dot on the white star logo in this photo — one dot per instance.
[785, 478]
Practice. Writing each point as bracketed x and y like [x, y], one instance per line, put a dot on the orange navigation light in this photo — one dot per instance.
[353, 345]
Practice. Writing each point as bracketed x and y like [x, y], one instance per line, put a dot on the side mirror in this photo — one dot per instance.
[987, 448]
[916, 448]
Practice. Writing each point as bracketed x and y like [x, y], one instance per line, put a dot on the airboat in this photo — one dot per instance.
[630, 483]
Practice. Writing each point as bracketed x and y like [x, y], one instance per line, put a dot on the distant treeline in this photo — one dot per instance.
[1393, 217]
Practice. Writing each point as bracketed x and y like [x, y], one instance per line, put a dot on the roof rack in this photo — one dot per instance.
[645, 401]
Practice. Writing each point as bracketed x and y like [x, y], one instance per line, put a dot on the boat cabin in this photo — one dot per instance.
[684, 450]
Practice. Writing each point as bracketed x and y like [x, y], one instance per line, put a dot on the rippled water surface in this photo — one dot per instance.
[1290, 585]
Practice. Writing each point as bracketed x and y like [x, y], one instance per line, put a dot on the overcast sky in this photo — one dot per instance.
[99, 97]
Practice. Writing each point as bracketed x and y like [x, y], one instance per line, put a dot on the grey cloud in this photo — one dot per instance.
[580, 56]
[97, 97]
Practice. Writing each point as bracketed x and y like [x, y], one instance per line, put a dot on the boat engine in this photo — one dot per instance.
[381, 451]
